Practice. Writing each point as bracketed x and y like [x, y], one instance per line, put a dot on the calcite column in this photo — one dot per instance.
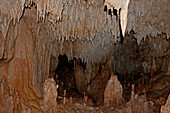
[19, 67]
[50, 96]
[113, 92]
[166, 108]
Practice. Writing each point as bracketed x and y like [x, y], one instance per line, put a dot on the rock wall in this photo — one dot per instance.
[25, 57]
[49, 103]
[148, 18]
[32, 33]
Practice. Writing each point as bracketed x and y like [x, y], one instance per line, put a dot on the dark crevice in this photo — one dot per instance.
[114, 11]
[65, 75]
[105, 8]
[120, 28]
[134, 63]
[110, 12]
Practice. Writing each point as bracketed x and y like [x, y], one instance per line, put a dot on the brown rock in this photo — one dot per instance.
[166, 108]
[113, 92]
[50, 95]
[85, 32]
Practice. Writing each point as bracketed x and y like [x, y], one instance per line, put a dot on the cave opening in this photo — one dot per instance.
[65, 76]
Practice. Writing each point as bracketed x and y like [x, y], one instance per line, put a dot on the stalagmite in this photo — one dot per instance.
[64, 101]
[86, 99]
[49, 103]
[133, 91]
[71, 100]
[113, 92]
[29, 50]
[166, 108]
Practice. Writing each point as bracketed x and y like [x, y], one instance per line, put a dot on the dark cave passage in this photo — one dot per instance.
[65, 75]
[71, 75]
[132, 63]
[84, 56]
[139, 64]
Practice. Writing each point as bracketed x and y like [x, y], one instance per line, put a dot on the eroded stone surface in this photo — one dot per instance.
[166, 108]
[113, 92]
[86, 32]
[143, 18]
[49, 103]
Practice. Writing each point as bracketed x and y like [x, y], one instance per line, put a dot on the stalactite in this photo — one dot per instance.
[117, 4]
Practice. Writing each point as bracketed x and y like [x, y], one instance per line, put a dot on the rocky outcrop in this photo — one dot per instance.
[22, 58]
[136, 105]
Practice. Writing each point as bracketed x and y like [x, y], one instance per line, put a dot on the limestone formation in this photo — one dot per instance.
[166, 108]
[113, 92]
[49, 103]
[137, 105]
[123, 5]
[33, 33]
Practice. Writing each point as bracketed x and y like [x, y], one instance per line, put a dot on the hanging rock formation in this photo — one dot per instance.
[33, 33]
[123, 5]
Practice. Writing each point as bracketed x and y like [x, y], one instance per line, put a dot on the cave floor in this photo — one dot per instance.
[134, 105]
[150, 103]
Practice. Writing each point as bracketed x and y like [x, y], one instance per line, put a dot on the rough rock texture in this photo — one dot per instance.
[166, 108]
[150, 57]
[90, 39]
[138, 63]
[113, 92]
[148, 18]
[29, 49]
[49, 103]
[9, 98]
[138, 105]
[117, 5]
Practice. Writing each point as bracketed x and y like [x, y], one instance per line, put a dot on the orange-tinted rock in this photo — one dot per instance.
[85, 32]
[49, 104]
[9, 98]
[137, 105]
[166, 108]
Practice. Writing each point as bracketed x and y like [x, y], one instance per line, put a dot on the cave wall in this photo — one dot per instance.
[151, 56]
[32, 36]
[90, 38]
[148, 18]
[25, 61]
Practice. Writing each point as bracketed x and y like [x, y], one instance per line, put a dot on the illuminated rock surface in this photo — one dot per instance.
[166, 108]
[33, 33]
[49, 103]
[113, 92]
